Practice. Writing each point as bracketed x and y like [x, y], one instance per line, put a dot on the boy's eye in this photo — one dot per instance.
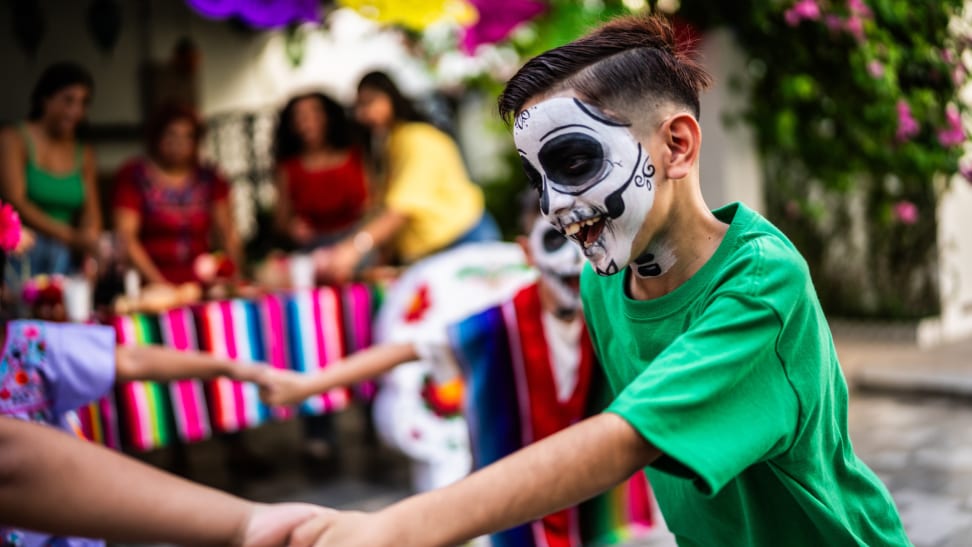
[572, 159]
[533, 176]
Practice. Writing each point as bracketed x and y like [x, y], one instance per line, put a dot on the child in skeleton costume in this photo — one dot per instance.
[417, 408]
[725, 382]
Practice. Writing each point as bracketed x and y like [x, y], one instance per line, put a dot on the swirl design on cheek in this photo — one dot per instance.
[647, 174]
[521, 120]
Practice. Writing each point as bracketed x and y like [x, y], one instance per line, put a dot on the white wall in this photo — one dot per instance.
[729, 167]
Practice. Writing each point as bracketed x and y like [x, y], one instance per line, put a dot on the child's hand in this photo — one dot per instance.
[344, 528]
[272, 525]
[281, 387]
[248, 372]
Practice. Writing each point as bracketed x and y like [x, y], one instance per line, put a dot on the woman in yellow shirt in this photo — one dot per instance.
[430, 202]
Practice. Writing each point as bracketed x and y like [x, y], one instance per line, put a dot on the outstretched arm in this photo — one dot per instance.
[286, 388]
[164, 364]
[117, 498]
[561, 470]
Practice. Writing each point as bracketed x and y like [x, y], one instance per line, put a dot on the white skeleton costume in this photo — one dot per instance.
[418, 308]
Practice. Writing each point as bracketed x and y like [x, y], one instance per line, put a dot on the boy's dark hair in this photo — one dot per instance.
[619, 66]
[402, 107]
[55, 78]
[337, 133]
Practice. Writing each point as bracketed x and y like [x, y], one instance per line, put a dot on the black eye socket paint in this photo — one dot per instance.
[553, 240]
[533, 176]
[572, 159]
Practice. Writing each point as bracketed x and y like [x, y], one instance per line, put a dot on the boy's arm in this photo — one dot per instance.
[163, 364]
[561, 470]
[117, 498]
[286, 387]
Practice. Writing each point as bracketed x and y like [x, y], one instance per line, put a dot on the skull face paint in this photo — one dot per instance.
[560, 265]
[596, 181]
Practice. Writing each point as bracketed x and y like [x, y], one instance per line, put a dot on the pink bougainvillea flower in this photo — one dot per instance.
[907, 126]
[906, 212]
[875, 69]
[9, 228]
[855, 27]
[965, 169]
[834, 23]
[954, 133]
[803, 10]
[858, 7]
[497, 19]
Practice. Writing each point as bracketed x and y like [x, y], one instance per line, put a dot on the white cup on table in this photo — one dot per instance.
[302, 271]
[77, 298]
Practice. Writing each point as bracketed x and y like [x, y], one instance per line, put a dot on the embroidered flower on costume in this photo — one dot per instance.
[10, 228]
[444, 400]
[419, 304]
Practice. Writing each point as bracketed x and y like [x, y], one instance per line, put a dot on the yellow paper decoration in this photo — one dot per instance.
[415, 14]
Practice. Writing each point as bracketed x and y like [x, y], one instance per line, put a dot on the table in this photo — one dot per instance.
[300, 330]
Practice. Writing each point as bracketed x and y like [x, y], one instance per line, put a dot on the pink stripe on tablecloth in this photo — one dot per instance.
[275, 340]
[229, 331]
[188, 410]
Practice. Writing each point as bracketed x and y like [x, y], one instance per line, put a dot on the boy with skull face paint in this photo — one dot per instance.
[727, 389]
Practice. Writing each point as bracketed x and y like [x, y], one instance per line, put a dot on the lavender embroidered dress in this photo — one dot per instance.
[48, 370]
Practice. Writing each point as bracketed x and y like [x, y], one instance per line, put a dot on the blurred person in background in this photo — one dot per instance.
[322, 193]
[429, 204]
[320, 175]
[49, 175]
[169, 207]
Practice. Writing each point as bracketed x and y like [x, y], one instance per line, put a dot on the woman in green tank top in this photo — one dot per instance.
[49, 176]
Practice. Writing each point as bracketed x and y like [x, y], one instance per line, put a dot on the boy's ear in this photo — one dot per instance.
[524, 243]
[683, 141]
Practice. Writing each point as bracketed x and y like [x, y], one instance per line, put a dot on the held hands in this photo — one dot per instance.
[345, 529]
[273, 525]
[281, 387]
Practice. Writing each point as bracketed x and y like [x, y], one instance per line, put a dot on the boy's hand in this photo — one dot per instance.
[281, 387]
[272, 525]
[248, 372]
[344, 529]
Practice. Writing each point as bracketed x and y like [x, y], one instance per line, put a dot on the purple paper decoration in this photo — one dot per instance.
[260, 13]
[497, 19]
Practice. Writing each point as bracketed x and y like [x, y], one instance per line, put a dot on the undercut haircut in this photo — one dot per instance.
[626, 66]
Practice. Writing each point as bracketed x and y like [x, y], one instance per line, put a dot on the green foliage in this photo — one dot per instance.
[825, 104]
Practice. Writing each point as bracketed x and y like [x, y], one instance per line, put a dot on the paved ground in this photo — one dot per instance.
[917, 440]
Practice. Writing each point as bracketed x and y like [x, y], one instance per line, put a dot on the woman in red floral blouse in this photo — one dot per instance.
[169, 208]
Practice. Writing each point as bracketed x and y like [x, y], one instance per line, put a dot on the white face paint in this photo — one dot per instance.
[560, 265]
[654, 262]
[595, 180]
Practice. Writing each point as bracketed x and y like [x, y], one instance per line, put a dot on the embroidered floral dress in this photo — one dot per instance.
[47, 371]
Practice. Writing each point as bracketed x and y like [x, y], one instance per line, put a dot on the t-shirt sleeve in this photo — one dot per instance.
[717, 400]
[126, 192]
[412, 158]
[81, 363]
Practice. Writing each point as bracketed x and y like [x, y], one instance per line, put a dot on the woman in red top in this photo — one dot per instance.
[320, 176]
[168, 206]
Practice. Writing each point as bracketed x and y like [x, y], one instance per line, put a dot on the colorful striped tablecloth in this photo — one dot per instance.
[302, 330]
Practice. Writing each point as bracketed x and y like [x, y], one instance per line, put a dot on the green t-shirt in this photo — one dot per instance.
[734, 377]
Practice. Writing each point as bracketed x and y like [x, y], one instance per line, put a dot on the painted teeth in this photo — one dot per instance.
[575, 227]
